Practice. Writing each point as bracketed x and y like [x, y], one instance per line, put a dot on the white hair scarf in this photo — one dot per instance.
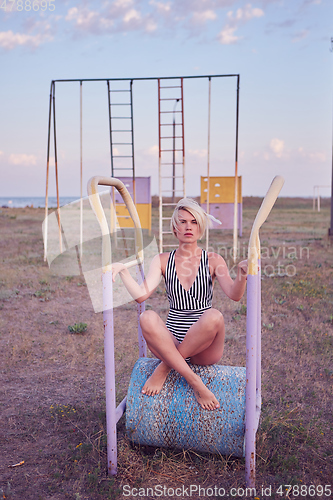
[212, 218]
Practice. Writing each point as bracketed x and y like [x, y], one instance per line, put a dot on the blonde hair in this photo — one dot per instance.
[194, 209]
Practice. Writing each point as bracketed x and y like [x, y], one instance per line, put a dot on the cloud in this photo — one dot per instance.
[235, 20]
[22, 159]
[88, 20]
[300, 36]
[311, 2]
[132, 15]
[198, 153]
[277, 146]
[123, 16]
[227, 37]
[10, 40]
[245, 14]
[152, 151]
[162, 8]
[277, 151]
[119, 16]
[202, 17]
[123, 3]
[316, 157]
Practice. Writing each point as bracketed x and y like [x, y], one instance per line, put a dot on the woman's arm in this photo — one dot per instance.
[139, 292]
[234, 289]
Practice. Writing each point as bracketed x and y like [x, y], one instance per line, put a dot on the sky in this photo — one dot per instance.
[280, 49]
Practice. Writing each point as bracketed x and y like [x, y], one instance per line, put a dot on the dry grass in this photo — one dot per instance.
[52, 402]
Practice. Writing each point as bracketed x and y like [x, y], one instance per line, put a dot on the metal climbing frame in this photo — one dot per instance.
[253, 321]
[114, 413]
[175, 110]
[171, 157]
[121, 128]
[121, 131]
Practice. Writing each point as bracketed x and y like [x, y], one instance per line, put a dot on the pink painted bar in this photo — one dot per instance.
[251, 363]
[253, 333]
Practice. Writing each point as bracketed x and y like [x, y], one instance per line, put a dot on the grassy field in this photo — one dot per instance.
[52, 380]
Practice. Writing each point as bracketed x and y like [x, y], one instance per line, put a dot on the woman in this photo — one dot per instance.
[194, 330]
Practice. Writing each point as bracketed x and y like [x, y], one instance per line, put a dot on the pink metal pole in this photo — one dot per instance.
[251, 361]
[253, 333]
[258, 363]
[141, 309]
[110, 385]
[112, 413]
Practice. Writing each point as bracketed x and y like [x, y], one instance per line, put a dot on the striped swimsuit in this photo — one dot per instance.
[186, 306]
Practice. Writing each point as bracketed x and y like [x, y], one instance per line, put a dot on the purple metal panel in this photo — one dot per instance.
[225, 213]
[142, 189]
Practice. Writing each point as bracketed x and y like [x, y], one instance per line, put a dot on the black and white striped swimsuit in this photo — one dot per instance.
[186, 306]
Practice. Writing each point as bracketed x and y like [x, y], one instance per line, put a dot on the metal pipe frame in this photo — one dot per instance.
[317, 195]
[253, 332]
[131, 80]
[231, 75]
[113, 413]
[235, 233]
[330, 229]
[208, 156]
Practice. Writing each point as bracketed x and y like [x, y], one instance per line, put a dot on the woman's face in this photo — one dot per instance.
[188, 228]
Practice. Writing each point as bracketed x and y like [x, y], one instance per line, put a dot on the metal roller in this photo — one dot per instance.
[174, 419]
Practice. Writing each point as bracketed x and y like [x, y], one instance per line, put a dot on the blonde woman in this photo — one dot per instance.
[194, 331]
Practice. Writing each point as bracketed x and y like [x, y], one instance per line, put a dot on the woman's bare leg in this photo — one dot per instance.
[203, 343]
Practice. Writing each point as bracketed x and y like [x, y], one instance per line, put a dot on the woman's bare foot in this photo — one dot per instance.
[155, 382]
[204, 396]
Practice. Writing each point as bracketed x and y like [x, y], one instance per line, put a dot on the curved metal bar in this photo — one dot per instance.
[253, 332]
[112, 413]
[264, 210]
[96, 205]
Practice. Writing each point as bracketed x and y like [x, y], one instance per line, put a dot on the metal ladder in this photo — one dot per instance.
[171, 155]
[121, 129]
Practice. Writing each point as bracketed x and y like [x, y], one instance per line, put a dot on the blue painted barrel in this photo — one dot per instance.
[174, 419]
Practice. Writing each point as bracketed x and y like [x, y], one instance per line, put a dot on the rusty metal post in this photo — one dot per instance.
[47, 174]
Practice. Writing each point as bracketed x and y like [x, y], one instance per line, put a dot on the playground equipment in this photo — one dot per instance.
[142, 204]
[171, 418]
[217, 198]
[171, 145]
[208, 197]
[316, 196]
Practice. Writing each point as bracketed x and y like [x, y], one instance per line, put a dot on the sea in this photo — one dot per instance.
[34, 201]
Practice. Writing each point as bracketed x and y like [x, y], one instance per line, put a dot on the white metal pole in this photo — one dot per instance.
[253, 357]
[208, 159]
[81, 178]
[110, 386]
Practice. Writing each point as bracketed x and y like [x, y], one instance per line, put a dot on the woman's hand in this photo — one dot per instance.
[242, 266]
[117, 268]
